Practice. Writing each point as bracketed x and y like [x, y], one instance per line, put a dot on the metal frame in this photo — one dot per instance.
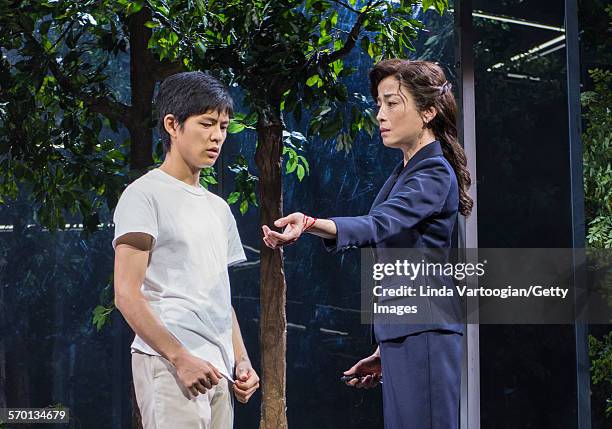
[468, 233]
[468, 227]
[583, 380]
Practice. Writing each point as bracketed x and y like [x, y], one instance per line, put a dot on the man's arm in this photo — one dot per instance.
[247, 380]
[240, 352]
[132, 254]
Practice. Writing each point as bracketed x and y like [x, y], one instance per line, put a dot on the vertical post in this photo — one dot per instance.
[468, 227]
[583, 383]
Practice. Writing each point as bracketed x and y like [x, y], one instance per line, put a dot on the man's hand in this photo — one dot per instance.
[196, 374]
[247, 381]
[294, 224]
[369, 371]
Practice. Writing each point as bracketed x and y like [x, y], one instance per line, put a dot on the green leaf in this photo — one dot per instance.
[427, 4]
[330, 128]
[173, 38]
[334, 18]
[233, 197]
[347, 71]
[305, 162]
[337, 66]
[372, 50]
[441, 5]
[133, 7]
[101, 316]
[324, 40]
[292, 164]
[244, 206]
[321, 6]
[313, 80]
[200, 49]
[162, 9]
[300, 172]
[235, 127]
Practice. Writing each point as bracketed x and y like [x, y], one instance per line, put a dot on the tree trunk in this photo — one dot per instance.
[273, 324]
[142, 85]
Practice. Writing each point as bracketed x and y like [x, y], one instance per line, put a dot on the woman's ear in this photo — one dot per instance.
[170, 125]
[429, 114]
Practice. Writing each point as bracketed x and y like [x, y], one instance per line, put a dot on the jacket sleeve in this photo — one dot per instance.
[419, 196]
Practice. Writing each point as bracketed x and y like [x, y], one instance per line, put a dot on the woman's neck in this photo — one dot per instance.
[409, 150]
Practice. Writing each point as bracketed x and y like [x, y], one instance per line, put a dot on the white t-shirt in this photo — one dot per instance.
[186, 283]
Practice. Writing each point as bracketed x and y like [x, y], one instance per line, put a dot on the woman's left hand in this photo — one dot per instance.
[294, 227]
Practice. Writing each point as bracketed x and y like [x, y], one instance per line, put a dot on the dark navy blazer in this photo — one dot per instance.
[416, 208]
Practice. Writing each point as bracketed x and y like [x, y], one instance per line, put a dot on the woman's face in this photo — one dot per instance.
[401, 124]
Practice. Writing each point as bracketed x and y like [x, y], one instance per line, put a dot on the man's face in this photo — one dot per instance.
[201, 137]
[398, 118]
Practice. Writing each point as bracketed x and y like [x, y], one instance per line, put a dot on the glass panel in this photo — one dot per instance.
[527, 372]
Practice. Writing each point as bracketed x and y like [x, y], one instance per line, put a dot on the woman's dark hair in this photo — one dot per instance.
[187, 94]
[427, 84]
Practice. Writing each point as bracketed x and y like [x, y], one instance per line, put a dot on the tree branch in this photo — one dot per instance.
[102, 105]
[347, 6]
[352, 37]
[348, 45]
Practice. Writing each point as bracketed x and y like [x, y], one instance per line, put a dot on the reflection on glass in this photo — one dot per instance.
[527, 372]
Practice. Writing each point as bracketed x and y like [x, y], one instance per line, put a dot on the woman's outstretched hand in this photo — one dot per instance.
[294, 225]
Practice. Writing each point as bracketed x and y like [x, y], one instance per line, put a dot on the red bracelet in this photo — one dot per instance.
[306, 220]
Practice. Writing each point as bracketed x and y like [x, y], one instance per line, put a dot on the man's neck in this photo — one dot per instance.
[178, 169]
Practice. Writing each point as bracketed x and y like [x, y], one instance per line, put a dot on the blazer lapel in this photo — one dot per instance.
[383, 194]
[432, 149]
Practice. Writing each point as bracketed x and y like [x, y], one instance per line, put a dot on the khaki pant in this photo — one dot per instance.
[164, 402]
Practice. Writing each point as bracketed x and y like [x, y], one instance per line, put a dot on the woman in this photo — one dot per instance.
[416, 208]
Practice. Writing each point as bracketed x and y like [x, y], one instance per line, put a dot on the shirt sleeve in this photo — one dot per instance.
[420, 196]
[135, 213]
[235, 251]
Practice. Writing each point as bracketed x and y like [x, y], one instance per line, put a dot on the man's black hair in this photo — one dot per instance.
[187, 94]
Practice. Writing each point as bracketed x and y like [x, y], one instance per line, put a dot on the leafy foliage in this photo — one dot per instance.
[295, 161]
[600, 352]
[54, 144]
[597, 140]
[61, 104]
[245, 185]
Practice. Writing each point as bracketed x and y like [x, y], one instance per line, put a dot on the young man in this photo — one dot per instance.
[173, 243]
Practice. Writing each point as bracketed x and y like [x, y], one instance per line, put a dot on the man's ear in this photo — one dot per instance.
[171, 125]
